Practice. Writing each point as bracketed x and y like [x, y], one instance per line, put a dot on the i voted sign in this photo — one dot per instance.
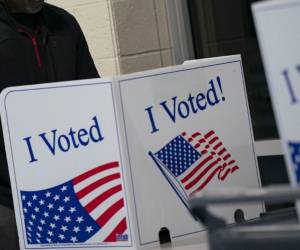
[187, 130]
[67, 174]
[108, 163]
[277, 25]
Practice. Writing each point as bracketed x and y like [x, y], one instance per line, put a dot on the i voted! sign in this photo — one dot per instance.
[107, 163]
[187, 130]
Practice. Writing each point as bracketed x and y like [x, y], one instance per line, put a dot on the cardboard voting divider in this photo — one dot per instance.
[277, 25]
[109, 162]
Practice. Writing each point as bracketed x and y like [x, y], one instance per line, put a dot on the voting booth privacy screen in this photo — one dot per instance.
[277, 25]
[109, 162]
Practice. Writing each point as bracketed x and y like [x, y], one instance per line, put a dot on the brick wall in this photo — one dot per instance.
[124, 36]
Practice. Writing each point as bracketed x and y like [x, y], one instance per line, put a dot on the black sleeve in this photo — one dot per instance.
[86, 68]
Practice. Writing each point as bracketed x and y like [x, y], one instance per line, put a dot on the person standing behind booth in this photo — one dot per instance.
[39, 43]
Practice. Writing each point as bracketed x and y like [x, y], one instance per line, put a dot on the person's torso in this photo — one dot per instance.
[29, 58]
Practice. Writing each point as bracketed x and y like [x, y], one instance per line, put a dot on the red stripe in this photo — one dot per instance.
[102, 197]
[227, 172]
[209, 134]
[221, 151]
[194, 181]
[217, 146]
[36, 51]
[110, 212]
[201, 140]
[83, 192]
[222, 177]
[207, 180]
[226, 157]
[197, 145]
[94, 171]
[119, 229]
[204, 152]
[186, 178]
[34, 43]
[231, 162]
[183, 134]
[195, 134]
[235, 168]
[213, 140]
[190, 139]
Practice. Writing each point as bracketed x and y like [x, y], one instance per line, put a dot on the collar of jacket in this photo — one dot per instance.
[52, 20]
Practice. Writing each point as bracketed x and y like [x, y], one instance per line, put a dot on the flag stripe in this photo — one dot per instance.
[96, 213]
[231, 162]
[118, 230]
[195, 134]
[198, 177]
[95, 193]
[226, 157]
[102, 197]
[102, 234]
[222, 151]
[187, 177]
[209, 134]
[217, 146]
[222, 177]
[202, 140]
[94, 171]
[235, 168]
[207, 180]
[96, 177]
[209, 166]
[110, 212]
[83, 192]
[213, 140]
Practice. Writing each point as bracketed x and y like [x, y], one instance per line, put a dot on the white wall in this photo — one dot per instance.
[123, 35]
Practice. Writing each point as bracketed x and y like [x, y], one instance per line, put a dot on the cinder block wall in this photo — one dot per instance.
[124, 36]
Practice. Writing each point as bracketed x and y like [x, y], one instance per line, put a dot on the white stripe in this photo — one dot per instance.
[105, 205]
[126, 232]
[109, 226]
[95, 177]
[98, 191]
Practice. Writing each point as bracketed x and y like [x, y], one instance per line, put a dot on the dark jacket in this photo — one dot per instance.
[56, 51]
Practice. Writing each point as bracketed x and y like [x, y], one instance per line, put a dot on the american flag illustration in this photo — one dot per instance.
[88, 206]
[295, 156]
[190, 162]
